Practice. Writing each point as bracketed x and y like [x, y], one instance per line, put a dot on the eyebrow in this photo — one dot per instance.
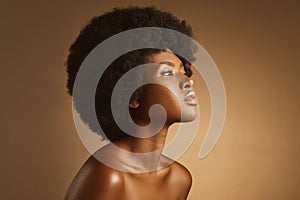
[170, 63]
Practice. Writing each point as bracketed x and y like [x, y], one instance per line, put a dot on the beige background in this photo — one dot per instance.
[254, 44]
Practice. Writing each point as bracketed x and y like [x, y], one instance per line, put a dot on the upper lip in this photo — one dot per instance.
[191, 93]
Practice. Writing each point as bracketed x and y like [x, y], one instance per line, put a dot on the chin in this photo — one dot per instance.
[188, 117]
[189, 114]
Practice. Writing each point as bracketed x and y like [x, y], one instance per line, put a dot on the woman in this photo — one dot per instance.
[125, 175]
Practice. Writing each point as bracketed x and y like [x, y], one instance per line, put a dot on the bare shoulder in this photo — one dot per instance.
[95, 181]
[180, 180]
[180, 174]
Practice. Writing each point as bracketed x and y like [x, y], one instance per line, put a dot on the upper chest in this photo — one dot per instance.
[158, 187]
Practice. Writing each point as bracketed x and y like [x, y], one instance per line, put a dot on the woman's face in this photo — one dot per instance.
[177, 95]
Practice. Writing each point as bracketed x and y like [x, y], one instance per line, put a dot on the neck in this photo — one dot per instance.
[145, 145]
[153, 144]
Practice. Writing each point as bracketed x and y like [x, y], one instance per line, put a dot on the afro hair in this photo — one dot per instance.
[101, 28]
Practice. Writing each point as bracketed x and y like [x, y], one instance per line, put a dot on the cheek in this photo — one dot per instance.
[157, 94]
[170, 101]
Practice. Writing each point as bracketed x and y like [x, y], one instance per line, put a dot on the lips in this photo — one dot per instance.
[191, 98]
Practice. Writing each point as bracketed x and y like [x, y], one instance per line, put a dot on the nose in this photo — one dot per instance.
[188, 83]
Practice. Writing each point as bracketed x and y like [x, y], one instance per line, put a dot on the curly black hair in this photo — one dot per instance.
[104, 26]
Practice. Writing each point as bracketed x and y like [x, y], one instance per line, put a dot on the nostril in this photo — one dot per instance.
[186, 85]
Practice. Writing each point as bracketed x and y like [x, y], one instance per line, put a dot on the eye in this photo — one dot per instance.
[167, 73]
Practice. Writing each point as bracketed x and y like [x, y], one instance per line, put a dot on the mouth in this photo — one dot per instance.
[191, 98]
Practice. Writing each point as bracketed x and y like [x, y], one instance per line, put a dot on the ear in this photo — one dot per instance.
[134, 104]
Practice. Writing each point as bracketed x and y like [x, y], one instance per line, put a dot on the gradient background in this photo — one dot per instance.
[255, 45]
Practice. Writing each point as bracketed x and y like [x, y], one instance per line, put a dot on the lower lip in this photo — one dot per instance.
[191, 101]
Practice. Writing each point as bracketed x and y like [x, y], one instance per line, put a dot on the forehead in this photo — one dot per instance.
[166, 57]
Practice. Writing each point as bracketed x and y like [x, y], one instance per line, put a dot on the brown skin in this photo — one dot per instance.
[97, 181]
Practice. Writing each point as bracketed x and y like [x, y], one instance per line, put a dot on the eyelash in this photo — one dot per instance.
[168, 73]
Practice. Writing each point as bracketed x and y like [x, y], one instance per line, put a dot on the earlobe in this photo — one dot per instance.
[134, 104]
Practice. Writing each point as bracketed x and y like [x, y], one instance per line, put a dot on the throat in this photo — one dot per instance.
[135, 155]
[126, 161]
